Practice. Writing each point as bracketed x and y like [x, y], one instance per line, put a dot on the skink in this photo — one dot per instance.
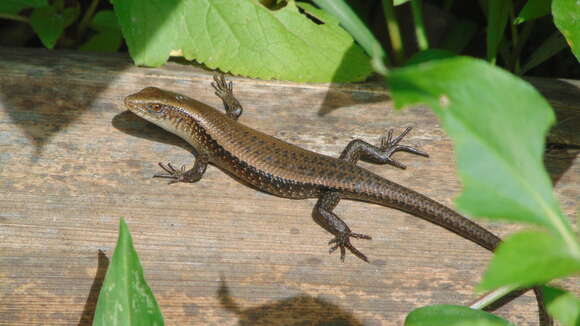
[277, 167]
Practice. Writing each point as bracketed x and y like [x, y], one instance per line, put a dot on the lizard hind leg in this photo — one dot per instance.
[324, 216]
[381, 154]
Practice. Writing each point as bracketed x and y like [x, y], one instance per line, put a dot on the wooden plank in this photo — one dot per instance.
[73, 161]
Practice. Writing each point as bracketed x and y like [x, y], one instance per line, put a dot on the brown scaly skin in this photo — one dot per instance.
[274, 166]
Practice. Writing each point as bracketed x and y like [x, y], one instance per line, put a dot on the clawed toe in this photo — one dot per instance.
[410, 149]
[221, 86]
[343, 242]
[225, 90]
[360, 236]
[389, 146]
[170, 173]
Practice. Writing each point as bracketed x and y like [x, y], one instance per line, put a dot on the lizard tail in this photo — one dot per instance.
[396, 196]
[399, 197]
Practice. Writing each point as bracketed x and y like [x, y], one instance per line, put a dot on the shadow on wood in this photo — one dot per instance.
[47, 94]
[297, 310]
[91, 303]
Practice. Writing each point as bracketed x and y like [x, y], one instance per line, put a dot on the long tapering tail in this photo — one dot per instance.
[428, 209]
[396, 196]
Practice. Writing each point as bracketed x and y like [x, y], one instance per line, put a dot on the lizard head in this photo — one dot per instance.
[154, 104]
[171, 111]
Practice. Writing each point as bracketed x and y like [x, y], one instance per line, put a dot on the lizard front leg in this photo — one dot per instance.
[359, 149]
[225, 91]
[324, 216]
[192, 175]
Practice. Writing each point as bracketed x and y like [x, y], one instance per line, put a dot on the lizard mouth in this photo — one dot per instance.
[132, 103]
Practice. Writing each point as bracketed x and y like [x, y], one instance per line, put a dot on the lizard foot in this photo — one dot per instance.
[390, 146]
[176, 175]
[225, 90]
[342, 241]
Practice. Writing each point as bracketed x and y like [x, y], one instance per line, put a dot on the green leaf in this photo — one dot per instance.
[125, 298]
[70, 15]
[533, 9]
[458, 38]
[550, 47]
[529, 258]
[429, 55]
[105, 20]
[48, 24]
[243, 37]
[496, 21]
[562, 305]
[108, 37]
[567, 18]
[450, 315]
[499, 153]
[103, 42]
[399, 2]
[15, 6]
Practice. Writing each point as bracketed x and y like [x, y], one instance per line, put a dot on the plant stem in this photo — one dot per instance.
[416, 7]
[515, 40]
[84, 23]
[14, 17]
[563, 227]
[513, 27]
[394, 32]
[352, 23]
[492, 297]
[526, 32]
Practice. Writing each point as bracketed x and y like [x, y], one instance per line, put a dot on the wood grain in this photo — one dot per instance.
[73, 161]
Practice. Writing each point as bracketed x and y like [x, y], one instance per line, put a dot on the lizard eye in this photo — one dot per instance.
[156, 107]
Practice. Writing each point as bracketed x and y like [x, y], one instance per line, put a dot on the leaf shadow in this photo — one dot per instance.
[298, 310]
[563, 140]
[54, 92]
[341, 95]
[91, 303]
[562, 144]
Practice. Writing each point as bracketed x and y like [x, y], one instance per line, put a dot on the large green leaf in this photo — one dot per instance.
[498, 123]
[529, 258]
[125, 298]
[567, 18]
[242, 37]
[450, 315]
[562, 305]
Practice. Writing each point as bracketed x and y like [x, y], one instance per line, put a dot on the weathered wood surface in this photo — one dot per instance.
[72, 162]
